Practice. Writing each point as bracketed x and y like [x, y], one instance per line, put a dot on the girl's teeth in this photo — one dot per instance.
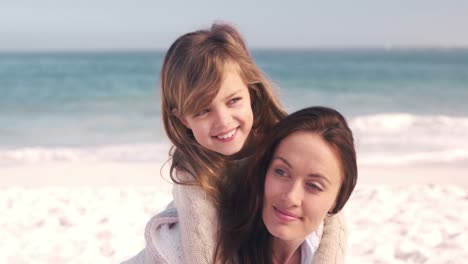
[228, 135]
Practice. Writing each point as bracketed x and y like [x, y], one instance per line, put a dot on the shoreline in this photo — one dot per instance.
[99, 174]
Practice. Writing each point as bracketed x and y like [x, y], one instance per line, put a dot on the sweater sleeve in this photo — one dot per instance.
[138, 259]
[332, 248]
[198, 222]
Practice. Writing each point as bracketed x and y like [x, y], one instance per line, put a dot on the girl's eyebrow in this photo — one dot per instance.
[233, 94]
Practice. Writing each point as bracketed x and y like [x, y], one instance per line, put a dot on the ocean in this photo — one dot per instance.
[404, 106]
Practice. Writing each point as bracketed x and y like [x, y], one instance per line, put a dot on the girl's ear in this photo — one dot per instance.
[181, 119]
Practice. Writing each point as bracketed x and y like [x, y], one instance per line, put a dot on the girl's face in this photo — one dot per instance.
[224, 126]
[301, 186]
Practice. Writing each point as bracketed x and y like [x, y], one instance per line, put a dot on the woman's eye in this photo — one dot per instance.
[314, 187]
[280, 172]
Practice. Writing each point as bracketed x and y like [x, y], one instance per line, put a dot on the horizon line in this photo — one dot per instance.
[254, 48]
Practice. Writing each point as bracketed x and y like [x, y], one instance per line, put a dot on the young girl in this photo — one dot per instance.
[216, 106]
[305, 169]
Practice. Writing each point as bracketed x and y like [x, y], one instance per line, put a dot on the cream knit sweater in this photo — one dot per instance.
[188, 234]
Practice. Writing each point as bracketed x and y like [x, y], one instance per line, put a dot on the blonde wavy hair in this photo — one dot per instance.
[191, 75]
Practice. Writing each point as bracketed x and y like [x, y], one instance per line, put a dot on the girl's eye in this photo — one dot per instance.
[280, 172]
[234, 100]
[202, 112]
[314, 187]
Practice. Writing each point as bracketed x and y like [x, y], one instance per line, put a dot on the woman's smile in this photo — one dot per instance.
[284, 215]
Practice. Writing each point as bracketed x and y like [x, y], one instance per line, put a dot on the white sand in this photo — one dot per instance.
[96, 213]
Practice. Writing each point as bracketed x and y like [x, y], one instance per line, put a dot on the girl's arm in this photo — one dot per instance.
[332, 246]
[198, 221]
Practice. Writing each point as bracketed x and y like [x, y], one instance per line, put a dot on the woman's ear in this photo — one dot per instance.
[330, 212]
[181, 118]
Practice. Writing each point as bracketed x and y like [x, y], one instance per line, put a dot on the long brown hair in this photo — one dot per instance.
[243, 238]
[191, 75]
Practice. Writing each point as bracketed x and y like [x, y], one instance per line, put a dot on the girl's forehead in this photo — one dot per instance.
[204, 92]
[231, 66]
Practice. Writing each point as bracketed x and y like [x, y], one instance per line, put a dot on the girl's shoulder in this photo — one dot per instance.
[162, 235]
[184, 174]
[168, 216]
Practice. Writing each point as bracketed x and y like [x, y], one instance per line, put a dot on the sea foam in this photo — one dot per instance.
[156, 152]
[402, 138]
[386, 138]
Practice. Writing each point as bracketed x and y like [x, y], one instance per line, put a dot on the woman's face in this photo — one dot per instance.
[301, 186]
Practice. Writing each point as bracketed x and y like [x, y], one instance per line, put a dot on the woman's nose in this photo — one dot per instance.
[294, 193]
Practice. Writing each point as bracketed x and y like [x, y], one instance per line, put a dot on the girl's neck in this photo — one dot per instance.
[286, 252]
[247, 150]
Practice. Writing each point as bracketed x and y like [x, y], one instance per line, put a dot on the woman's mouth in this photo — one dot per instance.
[285, 215]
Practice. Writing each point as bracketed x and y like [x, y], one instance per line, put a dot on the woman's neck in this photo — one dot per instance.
[286, 252]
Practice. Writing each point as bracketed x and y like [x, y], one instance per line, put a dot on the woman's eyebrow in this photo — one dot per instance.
[283, 160]
[319, 176]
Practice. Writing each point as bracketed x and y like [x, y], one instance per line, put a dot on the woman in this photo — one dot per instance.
[305, 170]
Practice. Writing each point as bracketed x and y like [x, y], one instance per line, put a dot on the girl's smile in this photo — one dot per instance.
[225, 124]
[227, 136]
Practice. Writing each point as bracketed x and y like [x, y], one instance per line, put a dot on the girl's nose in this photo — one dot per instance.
[223, 117]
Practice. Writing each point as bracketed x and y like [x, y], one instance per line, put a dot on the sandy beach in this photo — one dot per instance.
[96, 213]
[82, 144]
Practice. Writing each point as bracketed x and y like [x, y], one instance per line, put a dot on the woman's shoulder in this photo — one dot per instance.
[333, 243]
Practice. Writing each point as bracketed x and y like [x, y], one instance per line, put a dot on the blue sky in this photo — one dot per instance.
[145, 24]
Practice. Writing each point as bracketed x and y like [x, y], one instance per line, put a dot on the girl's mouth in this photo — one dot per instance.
[228, 136]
